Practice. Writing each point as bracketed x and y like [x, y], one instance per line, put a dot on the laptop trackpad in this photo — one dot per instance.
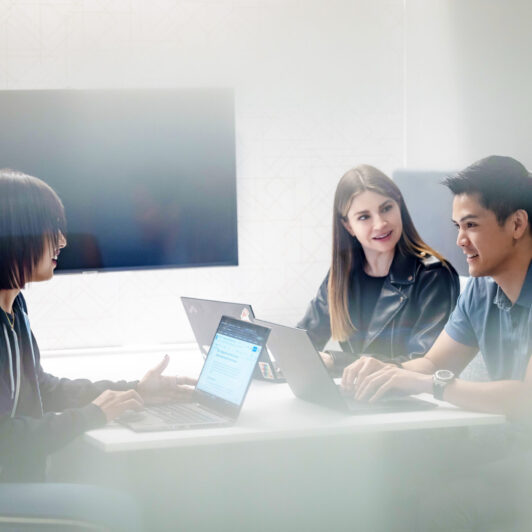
[158, 418]
[392, 404]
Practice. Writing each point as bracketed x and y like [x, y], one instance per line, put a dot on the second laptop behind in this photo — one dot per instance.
[204, 316]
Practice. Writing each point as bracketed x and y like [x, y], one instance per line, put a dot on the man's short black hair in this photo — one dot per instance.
[31, 214]
[502, 184]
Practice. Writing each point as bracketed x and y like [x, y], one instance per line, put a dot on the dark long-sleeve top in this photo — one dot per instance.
[414, 303]
[39, 413]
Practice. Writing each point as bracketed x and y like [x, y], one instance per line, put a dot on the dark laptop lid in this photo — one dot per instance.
[302, 365]
[226, 374]
[204, 316]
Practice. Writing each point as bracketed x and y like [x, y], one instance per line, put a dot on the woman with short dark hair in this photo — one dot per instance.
[32, 229]
[32, 222]
[387, 292]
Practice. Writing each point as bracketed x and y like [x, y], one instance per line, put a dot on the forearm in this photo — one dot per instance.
[59, 394]
[420, 365]
[509, 397]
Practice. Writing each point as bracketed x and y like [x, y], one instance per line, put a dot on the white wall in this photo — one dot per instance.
[318, 90]
[469, 80]
[320, 86]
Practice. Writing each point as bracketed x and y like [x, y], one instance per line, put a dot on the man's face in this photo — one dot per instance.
[487, 245]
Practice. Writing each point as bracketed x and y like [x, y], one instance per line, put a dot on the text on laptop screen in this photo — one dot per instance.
[231, 360]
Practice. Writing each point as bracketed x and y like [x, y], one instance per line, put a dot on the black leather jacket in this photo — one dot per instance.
[415, 301]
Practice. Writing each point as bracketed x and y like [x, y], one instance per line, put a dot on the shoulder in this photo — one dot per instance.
[430, 262]
[324, 286]
[433, 274]
[421, 270]
[20, 303]
[430, 266]
[323, 289]
[479, 291]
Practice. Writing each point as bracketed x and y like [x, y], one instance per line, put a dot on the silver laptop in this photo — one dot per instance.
[204, 316]
[222, 385]
[309, 378]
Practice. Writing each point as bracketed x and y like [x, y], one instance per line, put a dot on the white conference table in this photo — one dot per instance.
[271, 412]
[286, 465]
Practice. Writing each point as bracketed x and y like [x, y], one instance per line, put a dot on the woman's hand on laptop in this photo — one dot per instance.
[113, 403]
[157, 388]
[328, 360]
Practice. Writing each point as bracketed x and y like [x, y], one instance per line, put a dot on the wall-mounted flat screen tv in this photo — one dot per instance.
[147, 177]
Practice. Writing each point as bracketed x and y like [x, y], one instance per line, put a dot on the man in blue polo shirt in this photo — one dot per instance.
[492, 210]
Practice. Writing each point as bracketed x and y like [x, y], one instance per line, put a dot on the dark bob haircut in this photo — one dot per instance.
[31, 216]
[502, 184]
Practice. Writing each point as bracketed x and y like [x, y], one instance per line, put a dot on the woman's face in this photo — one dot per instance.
[46, 266]
[375, 221]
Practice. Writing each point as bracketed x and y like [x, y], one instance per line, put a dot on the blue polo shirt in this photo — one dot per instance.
[485, 318]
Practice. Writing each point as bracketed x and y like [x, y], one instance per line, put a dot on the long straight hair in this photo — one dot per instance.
[347, 251]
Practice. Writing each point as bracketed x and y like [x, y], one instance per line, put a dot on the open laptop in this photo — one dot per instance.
[222, 385]
[309, 378]
[204, 316]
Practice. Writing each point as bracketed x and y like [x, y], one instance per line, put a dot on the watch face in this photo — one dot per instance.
[444, 375]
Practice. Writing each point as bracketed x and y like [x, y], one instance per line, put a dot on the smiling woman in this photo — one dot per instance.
[387, 293]
[32, 232]
[44, 270]
[39, 412]
[375, 221]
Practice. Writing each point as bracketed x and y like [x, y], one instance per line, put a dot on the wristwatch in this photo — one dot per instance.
[440, 380]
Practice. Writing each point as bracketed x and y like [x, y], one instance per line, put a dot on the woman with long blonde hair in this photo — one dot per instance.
[387, 293]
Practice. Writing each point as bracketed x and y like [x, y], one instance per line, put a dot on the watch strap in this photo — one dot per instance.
[440, 380]
[438, 387]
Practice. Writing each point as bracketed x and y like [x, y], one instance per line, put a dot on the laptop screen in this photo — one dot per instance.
[232, 358]
[204, 316]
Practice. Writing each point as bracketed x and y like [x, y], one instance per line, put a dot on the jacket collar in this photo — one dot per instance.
[403, 269]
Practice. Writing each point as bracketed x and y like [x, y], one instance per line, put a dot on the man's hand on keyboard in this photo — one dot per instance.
[157, 388]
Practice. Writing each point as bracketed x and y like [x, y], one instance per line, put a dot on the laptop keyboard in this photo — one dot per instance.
[176, 413]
